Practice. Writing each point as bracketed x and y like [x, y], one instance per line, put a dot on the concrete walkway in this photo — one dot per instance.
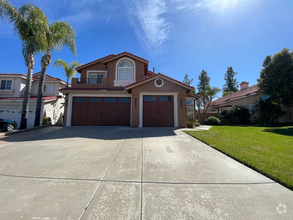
[126, 173]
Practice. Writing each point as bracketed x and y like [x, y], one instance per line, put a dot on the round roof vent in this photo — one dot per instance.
[159, 82]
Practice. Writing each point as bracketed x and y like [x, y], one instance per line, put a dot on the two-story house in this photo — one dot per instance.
[12, 86]
[119, 90]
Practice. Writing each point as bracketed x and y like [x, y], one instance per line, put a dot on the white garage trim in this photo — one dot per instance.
[175, 104]
[72, 95]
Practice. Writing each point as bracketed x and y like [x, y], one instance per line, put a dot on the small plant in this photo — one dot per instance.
[191, 120]
[212, 120]
[196, 124]
[47, 120]
[190, 125]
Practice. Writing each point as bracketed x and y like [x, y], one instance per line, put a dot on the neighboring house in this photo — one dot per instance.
[119, 90]
[12, 86]
[247, 97]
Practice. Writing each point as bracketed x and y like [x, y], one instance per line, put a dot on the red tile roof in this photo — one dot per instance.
[109, 57]
[93, 89]
[36, 77]
[45, 98]
[147, 78]
[20, 74]
[193, 95]
[239, 94]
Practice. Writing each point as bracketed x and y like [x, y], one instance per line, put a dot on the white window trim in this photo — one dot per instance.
[72, 95]
[189, 100]
[98, 72]
[192, 111]
[51, 88]
[118, 82]
[175, 105]
[5, 85]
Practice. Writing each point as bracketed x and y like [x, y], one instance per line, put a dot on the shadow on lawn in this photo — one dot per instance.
[284, 131]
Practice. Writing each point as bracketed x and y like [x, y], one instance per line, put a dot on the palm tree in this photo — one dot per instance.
[61, 34]
[31, 25]
[68, 69]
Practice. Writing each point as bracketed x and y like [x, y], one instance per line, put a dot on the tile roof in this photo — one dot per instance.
[36, 77]
[239, 94]
[14, 74]
[45, 98]
[193, 95]
[146, 78]
[110, 57]
[93, 89]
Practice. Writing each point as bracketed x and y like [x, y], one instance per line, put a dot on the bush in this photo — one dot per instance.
[191, 120]
[190, 125]
[237, 115]
[196, 124]
[212, 120]
[47, 120]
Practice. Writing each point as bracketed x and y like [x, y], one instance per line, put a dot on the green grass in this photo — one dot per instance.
[269, 150]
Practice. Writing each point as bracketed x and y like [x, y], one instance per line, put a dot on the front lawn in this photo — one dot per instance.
[269, 150]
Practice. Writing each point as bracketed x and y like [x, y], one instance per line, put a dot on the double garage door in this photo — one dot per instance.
[158, 111]
[100, 111]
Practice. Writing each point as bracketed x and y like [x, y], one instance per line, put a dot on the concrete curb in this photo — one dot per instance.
[24, 130]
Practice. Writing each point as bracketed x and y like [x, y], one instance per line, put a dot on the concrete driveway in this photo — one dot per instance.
[126, 173]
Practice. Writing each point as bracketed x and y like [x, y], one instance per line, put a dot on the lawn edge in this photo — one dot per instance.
[246, 164]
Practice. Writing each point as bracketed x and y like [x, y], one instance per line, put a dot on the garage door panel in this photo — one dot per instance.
[158, 111]
[100, 111]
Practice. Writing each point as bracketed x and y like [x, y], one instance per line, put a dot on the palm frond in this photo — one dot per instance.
[60, 63]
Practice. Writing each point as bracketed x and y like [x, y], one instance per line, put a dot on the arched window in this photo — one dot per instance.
[125, 71]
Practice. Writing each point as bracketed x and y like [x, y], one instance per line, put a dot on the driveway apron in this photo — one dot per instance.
[129, 173]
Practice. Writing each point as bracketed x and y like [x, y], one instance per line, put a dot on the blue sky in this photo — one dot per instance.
[177, 37]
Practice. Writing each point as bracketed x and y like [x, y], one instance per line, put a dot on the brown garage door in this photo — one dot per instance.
[100, 111]
[158, 111]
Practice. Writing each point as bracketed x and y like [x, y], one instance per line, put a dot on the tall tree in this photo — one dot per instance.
[276, 77]
[69, 69]
[188, 81]
[207, 96]
[231, 84]
[31, 25]
[204, 81]
[61, 34]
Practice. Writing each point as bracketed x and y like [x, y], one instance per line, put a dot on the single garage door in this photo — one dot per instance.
[100, 111]
[158, 111]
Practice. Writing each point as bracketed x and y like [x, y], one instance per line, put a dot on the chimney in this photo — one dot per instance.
[244, 85]
[153, 69]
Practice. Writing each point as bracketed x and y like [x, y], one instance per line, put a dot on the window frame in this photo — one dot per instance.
[190, 106]
[125, 79]
[46, 86]
[95, 72]
[124, 82]
[6, 84]
[190, 100]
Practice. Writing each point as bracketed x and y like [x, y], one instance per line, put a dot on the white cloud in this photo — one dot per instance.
[198, 5]
[149, 23]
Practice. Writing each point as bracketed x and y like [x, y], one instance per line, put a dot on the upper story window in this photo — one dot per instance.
[95, 78]
[5, 85]
[125, 71]
[189, 102]
[47, 88]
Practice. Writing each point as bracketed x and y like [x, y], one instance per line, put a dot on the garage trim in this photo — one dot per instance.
[174, 94]
[70, 103]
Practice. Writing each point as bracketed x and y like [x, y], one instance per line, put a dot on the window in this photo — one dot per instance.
[96, 78]
[149, 98]
[47, 88]
[79, 99]
[189, 102]
[127, 100]
[5, 84]
[95, 100]
[166, 98]
[125, 71]
[190, 112]
[109, 99]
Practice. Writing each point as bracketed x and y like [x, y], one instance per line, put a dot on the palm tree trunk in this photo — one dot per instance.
[29, 62]
[46, 60]
[67, 83]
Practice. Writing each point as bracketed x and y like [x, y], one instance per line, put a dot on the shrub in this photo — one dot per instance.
[190, 125]
[212, 120]
[237, 115]
[191, 120]
[196, 124]
[47, 120]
